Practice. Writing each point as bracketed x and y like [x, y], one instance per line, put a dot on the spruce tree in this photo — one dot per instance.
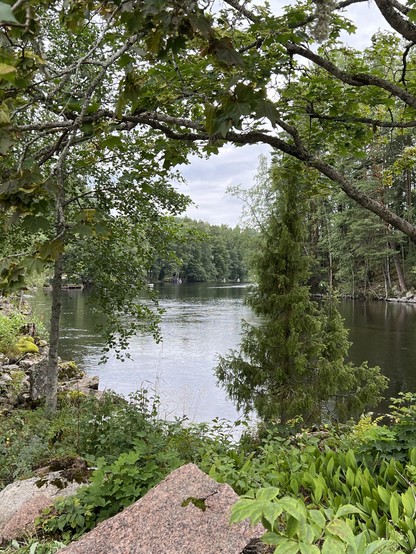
[292, 362]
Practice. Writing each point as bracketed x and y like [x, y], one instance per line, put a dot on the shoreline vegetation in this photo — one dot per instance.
[332, 488]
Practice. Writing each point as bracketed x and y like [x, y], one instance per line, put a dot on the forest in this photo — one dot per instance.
[100, 103]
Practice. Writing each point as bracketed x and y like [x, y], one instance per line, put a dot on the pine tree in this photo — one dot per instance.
[292, 363]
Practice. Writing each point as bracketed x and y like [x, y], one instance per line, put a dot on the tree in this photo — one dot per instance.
[292, 362]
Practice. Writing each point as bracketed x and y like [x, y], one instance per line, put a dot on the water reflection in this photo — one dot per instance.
[202, 321]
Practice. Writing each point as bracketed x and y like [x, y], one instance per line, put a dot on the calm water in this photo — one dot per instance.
[202, 321]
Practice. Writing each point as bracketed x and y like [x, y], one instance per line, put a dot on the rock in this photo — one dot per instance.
[83, 385]
[38, 386]
[23, 519]
[15, 495]
[26, 364]
[9, 368]
[188, 513]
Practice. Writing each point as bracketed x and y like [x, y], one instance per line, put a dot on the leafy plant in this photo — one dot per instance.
[292, 527]
[113, 487]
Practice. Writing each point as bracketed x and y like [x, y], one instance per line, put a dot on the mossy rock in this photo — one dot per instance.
[26, 345]
[69, 370]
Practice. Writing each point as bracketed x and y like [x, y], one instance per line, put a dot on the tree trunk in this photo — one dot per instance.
[52, 368]
[398, 266]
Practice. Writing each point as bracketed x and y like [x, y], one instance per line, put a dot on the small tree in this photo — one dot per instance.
[292, 362]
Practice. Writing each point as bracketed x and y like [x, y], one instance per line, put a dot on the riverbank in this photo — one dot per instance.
[23, 361]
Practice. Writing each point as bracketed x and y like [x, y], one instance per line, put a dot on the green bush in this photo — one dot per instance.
[10, 325]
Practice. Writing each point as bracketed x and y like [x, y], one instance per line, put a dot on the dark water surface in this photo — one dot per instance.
[202, 321]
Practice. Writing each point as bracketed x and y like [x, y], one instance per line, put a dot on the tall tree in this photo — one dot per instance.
[292, 362]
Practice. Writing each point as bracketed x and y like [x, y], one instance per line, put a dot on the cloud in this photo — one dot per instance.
[208, 179]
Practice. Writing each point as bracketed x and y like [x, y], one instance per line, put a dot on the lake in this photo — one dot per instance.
[204, 320]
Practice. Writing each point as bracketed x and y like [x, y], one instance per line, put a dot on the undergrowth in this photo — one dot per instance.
[370, 467]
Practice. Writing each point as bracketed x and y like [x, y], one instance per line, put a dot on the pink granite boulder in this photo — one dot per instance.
[187, 513]
[22, 521]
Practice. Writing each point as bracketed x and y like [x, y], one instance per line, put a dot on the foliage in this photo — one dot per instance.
[112, 488]
[299, 484]
[32, 546]
[10, 325]
[374, 439]
[292, 363]
[293, 528]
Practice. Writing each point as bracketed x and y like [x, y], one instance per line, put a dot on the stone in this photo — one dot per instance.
[27, 364]
[83, 385]
[15, 495]
[10, 367]
[23, 519]
[38, 385]
[188, 513]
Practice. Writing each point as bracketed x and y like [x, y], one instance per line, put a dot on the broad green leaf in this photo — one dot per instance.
[350, 477]
[346, 510]
[317, 490]
[51, 250]
[246, 509]
[272, 538]
[293, 507]
[266, 108]
[267, 494]
[350, 459]
[332, 545]
[308, 548]
[411, 538]
[394, 508]
[34, 264]
[384, 494]
[342, 530]
[6, 14]
[318, 518]
[287, 547]
[387, 547]
[7, 72]
[271, 511]
[4, 114]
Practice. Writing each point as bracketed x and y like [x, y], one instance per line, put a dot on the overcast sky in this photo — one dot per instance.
[207, 180]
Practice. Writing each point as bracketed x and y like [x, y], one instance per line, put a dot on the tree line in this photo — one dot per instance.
[205, 252]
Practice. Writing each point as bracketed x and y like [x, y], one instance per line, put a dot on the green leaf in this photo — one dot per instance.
[266, 108]
[308, 548]
[384, 495]
[34, 264]
[388, 547]
[246, 508]
[333, 545]
[7, 72]
[318, 518]
[51, 250]
[293, 507]
[6, 14]
[350, 460]
[267, 494]
[394, 508]
[346, 510]
[342, 530]
[270, 513]
[287, 547]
